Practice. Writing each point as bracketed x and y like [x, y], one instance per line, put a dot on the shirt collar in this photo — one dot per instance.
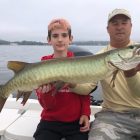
[109, 47]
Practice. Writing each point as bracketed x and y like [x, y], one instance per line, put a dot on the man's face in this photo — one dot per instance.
[119, 28]
[60, 39]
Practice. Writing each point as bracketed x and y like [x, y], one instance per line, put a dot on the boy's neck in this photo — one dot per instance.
[60, 54]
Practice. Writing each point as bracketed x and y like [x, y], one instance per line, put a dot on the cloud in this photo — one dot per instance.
[28, 19]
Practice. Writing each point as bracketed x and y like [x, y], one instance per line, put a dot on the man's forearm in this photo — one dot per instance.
[84, 89]
[133, 83]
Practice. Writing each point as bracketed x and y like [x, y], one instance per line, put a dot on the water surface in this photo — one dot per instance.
[29, 54]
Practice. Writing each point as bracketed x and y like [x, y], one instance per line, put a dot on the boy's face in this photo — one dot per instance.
[60, 39]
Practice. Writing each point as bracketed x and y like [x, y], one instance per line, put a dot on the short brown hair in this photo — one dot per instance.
[57, 24]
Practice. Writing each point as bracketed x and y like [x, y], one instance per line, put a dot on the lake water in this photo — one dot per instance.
[30, 54]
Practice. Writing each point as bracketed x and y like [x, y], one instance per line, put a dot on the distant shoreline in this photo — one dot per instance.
[92, 43]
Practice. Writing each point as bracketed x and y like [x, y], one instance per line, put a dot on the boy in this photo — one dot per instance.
[65, 114]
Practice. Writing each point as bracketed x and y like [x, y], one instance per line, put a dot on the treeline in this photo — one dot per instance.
[29, 43]
[3, 42]
[94, 43]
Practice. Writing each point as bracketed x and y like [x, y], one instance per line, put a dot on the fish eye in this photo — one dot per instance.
[131, 47]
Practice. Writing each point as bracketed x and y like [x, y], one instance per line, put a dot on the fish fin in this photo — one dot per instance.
[123, 65]
[112, 64]
[25, 95]
[2, 102]
[16, 66]
[112, 82]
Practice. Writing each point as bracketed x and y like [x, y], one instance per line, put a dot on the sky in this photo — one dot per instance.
[28, 19]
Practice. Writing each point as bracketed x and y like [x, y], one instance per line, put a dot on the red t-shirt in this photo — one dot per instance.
[64, 106]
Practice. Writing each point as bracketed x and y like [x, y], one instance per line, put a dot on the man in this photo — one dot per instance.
[120, 116]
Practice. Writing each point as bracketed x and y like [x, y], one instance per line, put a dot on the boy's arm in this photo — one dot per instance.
[84, 123]
[85, 113]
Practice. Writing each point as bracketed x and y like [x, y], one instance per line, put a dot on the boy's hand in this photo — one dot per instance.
[84, 122]
[26, 95]
[44, 88]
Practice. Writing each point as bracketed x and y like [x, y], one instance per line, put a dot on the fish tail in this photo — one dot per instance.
[2, 92]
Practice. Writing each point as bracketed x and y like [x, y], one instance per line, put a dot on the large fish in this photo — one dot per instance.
[29, 76]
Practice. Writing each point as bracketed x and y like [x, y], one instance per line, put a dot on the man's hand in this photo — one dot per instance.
[132, 72]
[84, 122]
[138, 68]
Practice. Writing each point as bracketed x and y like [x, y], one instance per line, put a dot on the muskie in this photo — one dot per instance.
[29, 76]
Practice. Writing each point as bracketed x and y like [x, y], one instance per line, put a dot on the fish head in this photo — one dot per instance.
[126, 58]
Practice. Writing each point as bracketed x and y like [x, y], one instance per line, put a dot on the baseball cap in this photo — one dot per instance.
[118, 12]
[58, 23]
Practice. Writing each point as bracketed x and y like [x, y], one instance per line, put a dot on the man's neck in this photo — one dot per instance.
[119, 44]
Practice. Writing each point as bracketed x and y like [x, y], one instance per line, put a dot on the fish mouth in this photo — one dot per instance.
[137, 52]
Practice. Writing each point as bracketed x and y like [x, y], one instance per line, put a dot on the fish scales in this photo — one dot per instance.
[77, 70]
